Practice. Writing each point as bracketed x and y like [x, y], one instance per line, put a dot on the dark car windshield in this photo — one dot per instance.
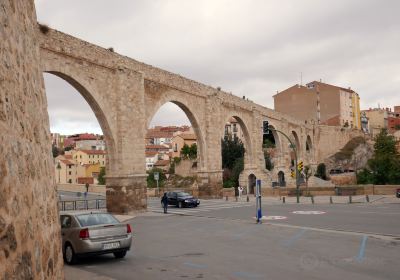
[183, 194]
[86, 220]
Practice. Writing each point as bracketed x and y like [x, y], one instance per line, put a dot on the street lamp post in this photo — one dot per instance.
[59, 168]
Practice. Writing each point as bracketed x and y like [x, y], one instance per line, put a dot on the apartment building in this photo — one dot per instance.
[320, 103]
[89, 156]
[232, 128]
[379, 118]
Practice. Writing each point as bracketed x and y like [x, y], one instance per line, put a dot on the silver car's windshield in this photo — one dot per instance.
[86, 220]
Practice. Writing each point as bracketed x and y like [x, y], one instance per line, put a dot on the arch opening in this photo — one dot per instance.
[173, 144]
[82, 143]
[235, 150]
[308, 144]
[281, 179]
[271, 148]
[251, 183]
[296, 143]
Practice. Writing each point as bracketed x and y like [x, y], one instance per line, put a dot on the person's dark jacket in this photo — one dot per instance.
[164, 199]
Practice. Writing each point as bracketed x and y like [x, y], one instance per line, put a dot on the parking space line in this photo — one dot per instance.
[194, 265]
[247, 275]
[361, 253]
[294, 238]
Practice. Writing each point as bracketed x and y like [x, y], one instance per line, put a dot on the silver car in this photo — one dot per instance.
[85, 234]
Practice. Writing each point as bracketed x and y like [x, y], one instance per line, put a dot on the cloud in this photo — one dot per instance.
[251, 48]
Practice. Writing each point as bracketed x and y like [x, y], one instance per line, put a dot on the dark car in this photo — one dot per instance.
[182, 199]
[398, 193]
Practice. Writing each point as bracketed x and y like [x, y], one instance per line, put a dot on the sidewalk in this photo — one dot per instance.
[373, 199]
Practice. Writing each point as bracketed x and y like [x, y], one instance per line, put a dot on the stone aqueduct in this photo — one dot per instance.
[125, 94]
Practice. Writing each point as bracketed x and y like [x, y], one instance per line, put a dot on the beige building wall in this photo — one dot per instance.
[178, 142]
[298, 101]
[320, 103]
[377, 119]
[89, 157]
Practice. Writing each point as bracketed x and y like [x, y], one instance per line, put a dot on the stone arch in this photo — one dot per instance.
[308, 144]
[191, 115]
[281, 179]
[251, 183]
[296, 142]
[97, 109]
[275, 152]
[248, 155]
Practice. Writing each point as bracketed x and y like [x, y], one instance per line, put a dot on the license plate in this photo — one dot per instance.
[112, 245]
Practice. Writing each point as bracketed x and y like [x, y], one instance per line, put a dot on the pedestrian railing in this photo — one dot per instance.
[70, 205]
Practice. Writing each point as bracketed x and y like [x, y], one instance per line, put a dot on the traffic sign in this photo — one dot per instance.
[156, 176]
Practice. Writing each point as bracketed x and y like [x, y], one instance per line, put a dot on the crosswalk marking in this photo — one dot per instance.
[208, 205]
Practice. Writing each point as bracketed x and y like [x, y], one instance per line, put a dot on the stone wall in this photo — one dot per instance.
[29, 224]
[100, 189]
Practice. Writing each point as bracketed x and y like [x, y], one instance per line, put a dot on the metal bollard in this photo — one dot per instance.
[312, 199]
[330, 200]
[367, 198]
[350, 199]
[283, 199]
[236, 198]
[247, 199]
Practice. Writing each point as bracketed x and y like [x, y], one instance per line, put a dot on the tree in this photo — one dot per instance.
[321, 171]
[385, 164]
[307, 173]
[232, 160]
[268, 162]
[101, 178]
[185, 151]
[232, 149]
[193, 151]
[55, 151]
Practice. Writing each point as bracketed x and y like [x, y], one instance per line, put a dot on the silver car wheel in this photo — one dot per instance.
[69, 254]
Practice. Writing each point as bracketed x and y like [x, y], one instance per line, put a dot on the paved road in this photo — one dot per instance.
[215, 241]
[376, 218]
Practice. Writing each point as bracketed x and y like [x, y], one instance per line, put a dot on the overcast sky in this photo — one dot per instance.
[249, 47]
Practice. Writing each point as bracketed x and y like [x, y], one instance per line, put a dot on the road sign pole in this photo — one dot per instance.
[258, 201]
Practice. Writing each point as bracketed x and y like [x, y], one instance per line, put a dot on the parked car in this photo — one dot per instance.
[182, 199]
[85, 234]
[398, 193]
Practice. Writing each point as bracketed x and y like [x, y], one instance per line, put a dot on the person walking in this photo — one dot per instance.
[164, 202]
[240, 192]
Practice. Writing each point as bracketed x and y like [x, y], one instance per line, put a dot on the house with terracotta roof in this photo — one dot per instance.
[67, 170]
[178, 141]
[162, 164]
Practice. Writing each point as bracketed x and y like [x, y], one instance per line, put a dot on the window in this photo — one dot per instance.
[65, 221]
[69, 172]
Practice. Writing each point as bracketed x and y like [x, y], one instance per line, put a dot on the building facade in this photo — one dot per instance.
[320, 103]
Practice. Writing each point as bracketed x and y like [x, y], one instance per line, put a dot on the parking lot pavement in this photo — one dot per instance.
[191, 247]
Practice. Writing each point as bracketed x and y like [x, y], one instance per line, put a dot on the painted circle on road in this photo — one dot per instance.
[273, 218]
[309, 212]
